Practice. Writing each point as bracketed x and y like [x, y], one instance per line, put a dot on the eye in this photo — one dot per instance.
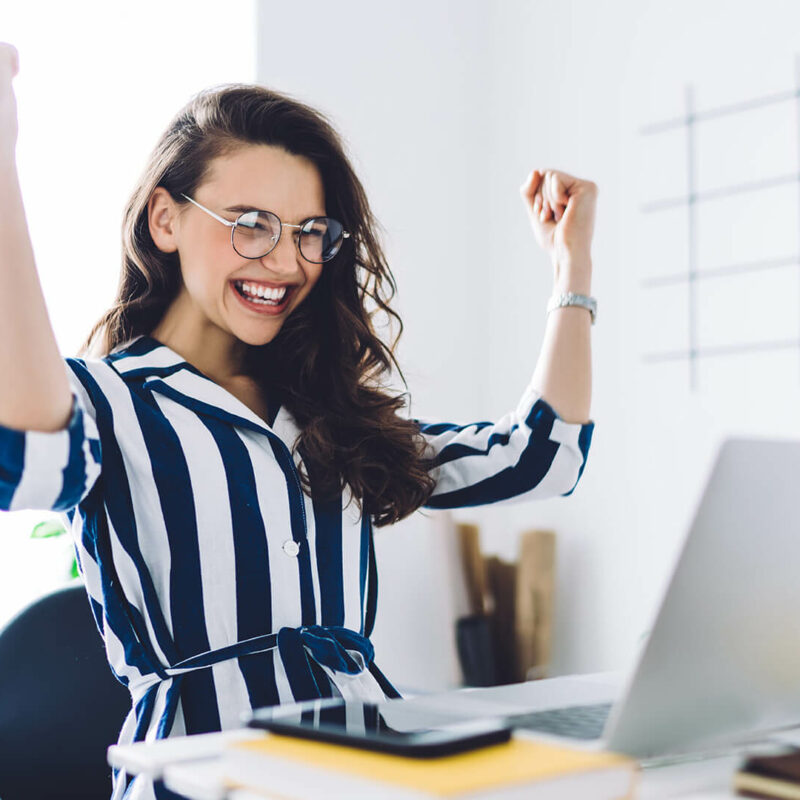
[257, 222]
[251, 219]
[315, 228]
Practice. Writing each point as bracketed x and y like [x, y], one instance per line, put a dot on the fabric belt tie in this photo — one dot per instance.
[328, 646]
[306, 652]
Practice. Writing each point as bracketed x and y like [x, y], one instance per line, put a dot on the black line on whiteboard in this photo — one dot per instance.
[720, 272]
[717, 194]
[722, 350]
[720, 111]
[691, 181]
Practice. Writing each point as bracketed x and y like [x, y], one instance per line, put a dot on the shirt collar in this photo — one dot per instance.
[162, 370]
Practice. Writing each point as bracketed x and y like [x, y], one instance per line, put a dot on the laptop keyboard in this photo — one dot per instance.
[576, 722]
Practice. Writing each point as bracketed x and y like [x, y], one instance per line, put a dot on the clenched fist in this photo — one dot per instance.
[562, 209]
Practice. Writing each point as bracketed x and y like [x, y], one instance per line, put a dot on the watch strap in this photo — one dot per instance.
[572, 299]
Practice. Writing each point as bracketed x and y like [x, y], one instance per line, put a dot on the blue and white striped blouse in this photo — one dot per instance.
[218, 585]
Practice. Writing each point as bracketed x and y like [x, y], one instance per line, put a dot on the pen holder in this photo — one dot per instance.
[506, 637]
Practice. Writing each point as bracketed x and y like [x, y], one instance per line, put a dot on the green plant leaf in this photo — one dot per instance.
[48, 528]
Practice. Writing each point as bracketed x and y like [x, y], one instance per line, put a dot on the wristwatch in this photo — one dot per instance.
[572, 299]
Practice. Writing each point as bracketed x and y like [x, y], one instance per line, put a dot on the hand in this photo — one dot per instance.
[561, 209]
[9, 67]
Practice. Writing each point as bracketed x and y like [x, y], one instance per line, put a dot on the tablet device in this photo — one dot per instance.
[385, 727]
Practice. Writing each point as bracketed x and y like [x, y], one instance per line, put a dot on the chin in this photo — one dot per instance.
[254, 339]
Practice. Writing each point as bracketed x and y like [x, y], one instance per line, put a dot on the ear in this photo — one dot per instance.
[162, 215]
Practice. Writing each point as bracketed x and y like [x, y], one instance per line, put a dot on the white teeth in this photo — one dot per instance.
[263, 291]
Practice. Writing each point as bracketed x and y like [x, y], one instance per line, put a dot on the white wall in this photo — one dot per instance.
[446, 107]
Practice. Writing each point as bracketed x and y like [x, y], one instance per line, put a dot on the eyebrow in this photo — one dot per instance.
[241, 209]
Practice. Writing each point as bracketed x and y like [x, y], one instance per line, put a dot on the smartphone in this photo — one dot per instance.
[385, 727]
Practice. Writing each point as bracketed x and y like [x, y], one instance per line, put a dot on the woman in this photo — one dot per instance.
[224, 447]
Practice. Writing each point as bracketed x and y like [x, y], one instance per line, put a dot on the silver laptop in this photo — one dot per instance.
[722, 661]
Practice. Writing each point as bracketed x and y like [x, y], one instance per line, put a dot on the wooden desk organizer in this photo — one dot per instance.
[511, 610]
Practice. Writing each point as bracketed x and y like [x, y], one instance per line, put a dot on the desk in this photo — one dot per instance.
[699, 779]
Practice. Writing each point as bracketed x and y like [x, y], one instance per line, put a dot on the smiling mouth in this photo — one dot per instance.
[263, 303]
[275, 301]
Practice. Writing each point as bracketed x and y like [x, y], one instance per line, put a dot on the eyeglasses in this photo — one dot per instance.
[256, 233]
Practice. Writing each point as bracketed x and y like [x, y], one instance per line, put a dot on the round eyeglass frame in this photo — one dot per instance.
[276, 239]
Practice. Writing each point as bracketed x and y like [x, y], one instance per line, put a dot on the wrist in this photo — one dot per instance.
[573, 274]
[572, 281]
[572, 286]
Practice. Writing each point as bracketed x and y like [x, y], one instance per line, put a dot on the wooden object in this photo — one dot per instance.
[516, 601]
[474, 568]
[535, 595]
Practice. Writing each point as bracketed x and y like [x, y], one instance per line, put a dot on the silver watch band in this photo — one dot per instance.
[572, 299]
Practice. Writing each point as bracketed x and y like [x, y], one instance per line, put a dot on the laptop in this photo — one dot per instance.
[722, 660]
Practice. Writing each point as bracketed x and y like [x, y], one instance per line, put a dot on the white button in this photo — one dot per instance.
[290, 547]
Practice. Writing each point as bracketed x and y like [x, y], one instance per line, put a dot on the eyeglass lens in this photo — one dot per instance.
[257, 232]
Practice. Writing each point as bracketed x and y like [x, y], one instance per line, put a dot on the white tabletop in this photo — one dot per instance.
[698, 780]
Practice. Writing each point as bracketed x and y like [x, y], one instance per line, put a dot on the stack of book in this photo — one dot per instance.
[276, 766]
[775, 776]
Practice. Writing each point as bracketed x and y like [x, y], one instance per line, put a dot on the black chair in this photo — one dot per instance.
[60, 704]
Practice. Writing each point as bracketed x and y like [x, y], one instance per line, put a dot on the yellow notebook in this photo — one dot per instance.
[297, 768]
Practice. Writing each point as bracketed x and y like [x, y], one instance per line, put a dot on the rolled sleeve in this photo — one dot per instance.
[529, 453]
[50, 470]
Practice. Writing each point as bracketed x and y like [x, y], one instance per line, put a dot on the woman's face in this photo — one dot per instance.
[252, 177]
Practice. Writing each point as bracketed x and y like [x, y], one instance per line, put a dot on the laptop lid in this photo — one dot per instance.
[723, 658]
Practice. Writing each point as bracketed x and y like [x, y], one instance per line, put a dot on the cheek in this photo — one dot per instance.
[208, 260]
[198, 281]
[206, 278]
[314, 278]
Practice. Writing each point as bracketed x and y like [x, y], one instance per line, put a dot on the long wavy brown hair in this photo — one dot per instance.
[326, 361]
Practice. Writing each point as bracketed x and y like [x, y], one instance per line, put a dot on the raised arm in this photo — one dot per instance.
[562, 210]
[540, 448]
[35, 391]
[49, 443]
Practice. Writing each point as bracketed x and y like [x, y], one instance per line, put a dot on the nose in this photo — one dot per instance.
[284, 259]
